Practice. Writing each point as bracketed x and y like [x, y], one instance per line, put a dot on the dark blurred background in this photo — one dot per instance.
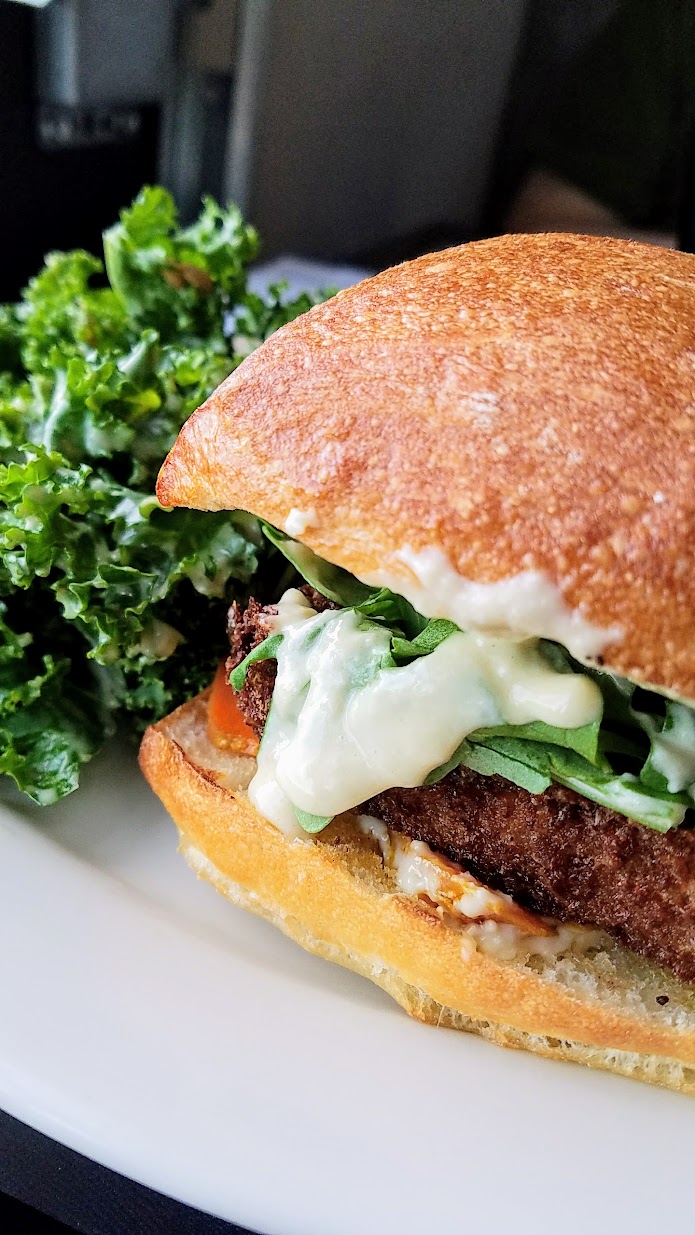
[348, 130]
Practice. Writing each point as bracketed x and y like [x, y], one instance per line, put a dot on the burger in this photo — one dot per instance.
[456, 753]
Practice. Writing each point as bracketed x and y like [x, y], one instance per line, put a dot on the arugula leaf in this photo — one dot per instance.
[312, 823]
[643, 734]
[386, 606]
[267, 650]
[434, 633]
[623, 793]
[452, 762]
[344, 589]
[338, 585]
[491, 762]
[534, 767]
[585, 740]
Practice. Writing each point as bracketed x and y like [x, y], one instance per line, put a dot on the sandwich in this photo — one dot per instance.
[456, 751]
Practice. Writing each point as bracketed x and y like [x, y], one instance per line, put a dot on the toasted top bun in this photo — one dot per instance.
[522, 403]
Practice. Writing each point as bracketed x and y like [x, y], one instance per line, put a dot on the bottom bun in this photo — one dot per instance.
[335, 896]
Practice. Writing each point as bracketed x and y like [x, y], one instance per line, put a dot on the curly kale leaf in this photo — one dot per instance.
[52, 714]
[175, 280]
[114, 607]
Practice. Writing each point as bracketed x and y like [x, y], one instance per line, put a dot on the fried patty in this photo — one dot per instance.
[554, 852]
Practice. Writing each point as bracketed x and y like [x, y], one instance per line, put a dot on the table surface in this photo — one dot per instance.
[83, 1196]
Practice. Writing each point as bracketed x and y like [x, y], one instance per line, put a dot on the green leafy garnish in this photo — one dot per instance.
[338, 585]
[434, 633]
[266, 650]
[379, 604]
[50, 723]
[491, 762]
[114, 608]
[584, 740]
[312, 823]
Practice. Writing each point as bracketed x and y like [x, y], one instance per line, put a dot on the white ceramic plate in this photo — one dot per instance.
[153, 1027]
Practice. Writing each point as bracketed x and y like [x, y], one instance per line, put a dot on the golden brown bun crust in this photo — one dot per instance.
[522, 402]
[334, 898]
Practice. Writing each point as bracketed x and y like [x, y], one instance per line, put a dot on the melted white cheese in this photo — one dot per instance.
[344, 727]
[673, 753]
[522, 606]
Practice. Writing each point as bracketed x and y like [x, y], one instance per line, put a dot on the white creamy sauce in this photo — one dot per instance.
[210, 585]
[415, 873]
[292, 608]
[159, 639]
[490, 921]
[477, 903]
[419, 871]
[506, 942]
[264, 791]
[298, 521]
[343, 728]
[526, 605]
[377, 829]
[674, 752]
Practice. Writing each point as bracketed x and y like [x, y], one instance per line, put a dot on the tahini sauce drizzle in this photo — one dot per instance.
[343, 728]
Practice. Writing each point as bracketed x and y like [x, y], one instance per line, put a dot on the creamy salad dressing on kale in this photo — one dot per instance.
[112, 609]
